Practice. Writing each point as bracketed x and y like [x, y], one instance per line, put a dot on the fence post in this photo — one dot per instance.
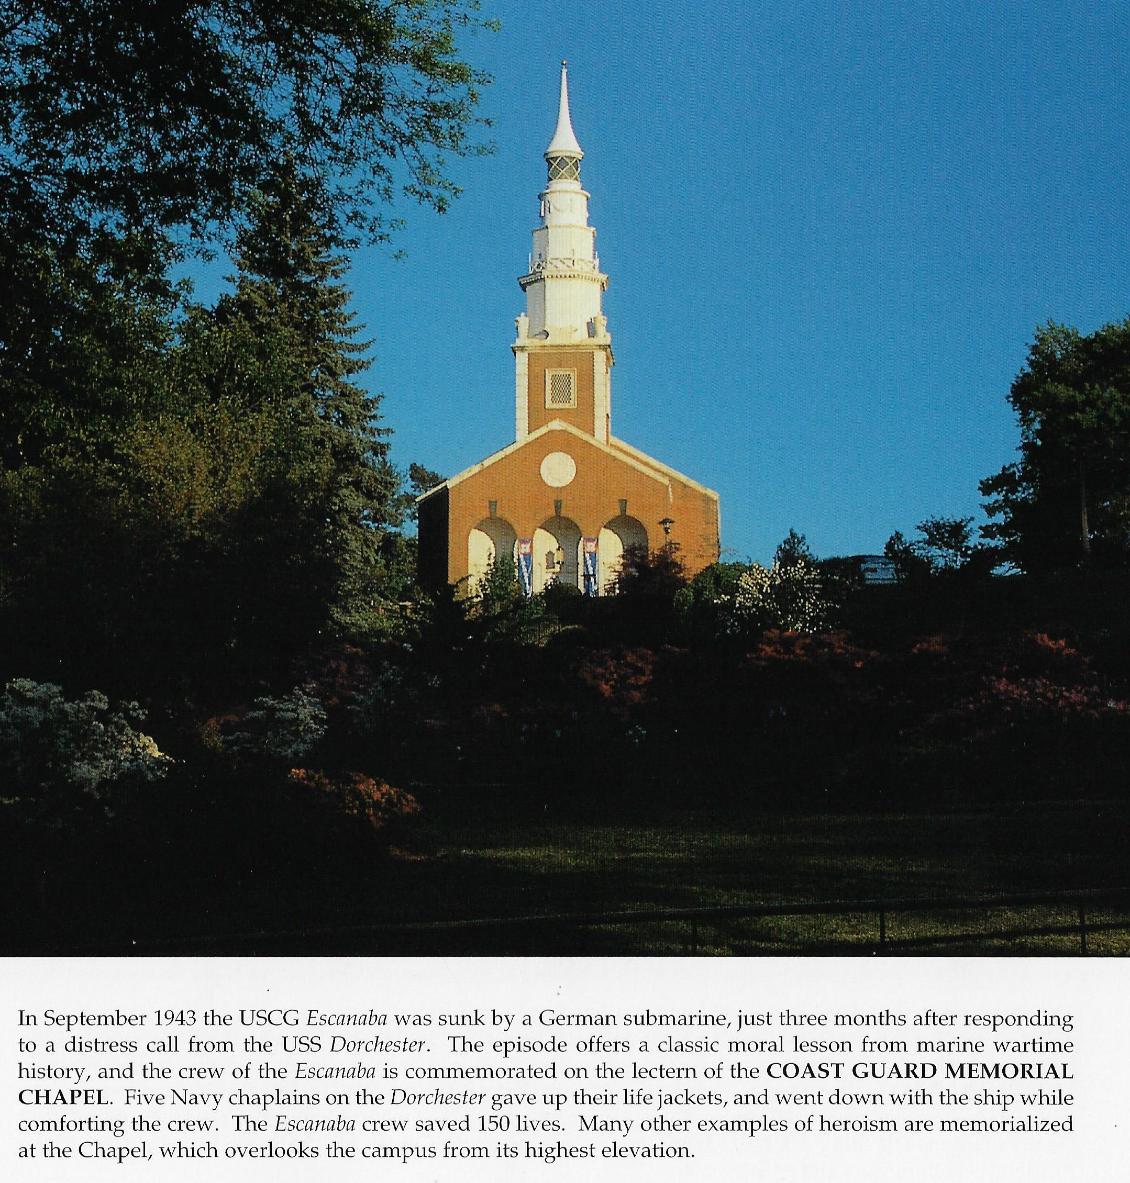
[882, 929]
[694, 936]
[1082, 931]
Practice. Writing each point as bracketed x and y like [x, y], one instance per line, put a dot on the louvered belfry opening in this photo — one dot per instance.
[561, 389]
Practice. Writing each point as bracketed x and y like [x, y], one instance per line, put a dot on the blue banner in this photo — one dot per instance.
[590, 567]
[526, 565]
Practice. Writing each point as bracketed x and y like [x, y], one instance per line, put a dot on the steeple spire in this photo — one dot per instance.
[564, 283]
[564, 142]
[563, 330]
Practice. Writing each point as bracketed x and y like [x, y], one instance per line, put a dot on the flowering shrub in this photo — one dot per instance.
[60, 754]
[787, 595]
[283, 728]
[364, 797]
[1042, 701]
[830, 651]
[623, 678]
[974, 654]
[934, 645]
[1041, 654]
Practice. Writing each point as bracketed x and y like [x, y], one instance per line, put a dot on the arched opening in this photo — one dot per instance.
[557, 544]
[491, 537]
[617, 536]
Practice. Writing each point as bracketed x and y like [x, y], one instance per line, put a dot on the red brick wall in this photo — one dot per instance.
[591, 500]
[580, 361]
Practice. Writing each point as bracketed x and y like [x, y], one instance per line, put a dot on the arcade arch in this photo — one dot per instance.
[490, 538]
[617, 536]
[557, 546]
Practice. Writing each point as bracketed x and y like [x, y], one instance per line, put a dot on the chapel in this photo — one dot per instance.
[566, 498]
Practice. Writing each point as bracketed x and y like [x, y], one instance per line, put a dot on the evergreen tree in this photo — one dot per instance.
[192, 493]
[289, 283]
[84, 343]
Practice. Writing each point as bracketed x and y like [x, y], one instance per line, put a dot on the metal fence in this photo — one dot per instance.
[882, 926]
[1081, 916]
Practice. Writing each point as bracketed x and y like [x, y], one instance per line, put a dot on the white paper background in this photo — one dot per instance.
[1095, 992]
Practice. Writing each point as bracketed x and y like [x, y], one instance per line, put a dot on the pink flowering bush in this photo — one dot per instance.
[1041, 700]
[357, 795]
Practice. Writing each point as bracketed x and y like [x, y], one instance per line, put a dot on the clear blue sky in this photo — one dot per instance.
[831, 229]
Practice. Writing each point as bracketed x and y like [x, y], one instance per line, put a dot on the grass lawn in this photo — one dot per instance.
[454, 869]
[492, 869]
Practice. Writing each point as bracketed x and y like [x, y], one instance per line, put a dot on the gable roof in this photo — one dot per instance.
[630, 456]
[619, 445]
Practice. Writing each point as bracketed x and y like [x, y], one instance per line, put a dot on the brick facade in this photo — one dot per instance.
[566, 478]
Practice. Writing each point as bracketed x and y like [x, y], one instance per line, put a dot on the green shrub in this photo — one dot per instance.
[62, 759]
[285, 728]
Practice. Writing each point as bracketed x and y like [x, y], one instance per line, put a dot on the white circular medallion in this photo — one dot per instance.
[558, 469]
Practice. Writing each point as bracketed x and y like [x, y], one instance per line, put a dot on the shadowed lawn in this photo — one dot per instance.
[456, 868]
[496, 870]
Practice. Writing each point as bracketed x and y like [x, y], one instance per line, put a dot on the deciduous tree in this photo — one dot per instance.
[122, 114]
[1066, 500]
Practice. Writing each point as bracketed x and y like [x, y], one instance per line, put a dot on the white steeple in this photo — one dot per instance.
[564, 142]
[564, 282]
[563, 322]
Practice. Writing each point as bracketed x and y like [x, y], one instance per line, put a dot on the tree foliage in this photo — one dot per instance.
[793, 549]
[289, 282]
[789, 596]
[495, 608]
[226, 493]
[908, 561]
[947, 543]
[653, 575]
[796, 593]
[84, 348]
[421, 479]
[944, 547]
[1066, 501]
[127, 115]
[180, 482]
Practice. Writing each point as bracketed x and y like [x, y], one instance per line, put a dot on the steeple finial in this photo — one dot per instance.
[564, 142]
